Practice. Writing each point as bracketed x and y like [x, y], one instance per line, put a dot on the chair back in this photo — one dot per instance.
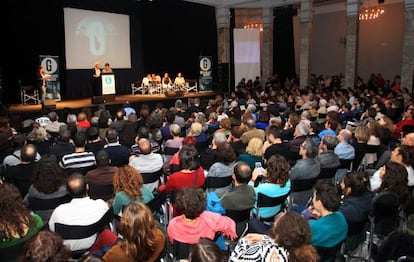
[36, 204]
[104, 192]
[267, 201]
[156, 203]
[299, 185]
[238, 215]
[181, 250]
[170, 150]
[384, 213]
[328, 254]
[12, 253]
[345, 164]
[79, 232]
[217, 182]
[152, 177]
[327, 173]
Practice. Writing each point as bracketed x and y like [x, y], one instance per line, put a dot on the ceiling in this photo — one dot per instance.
[259, 3]
[278, 3]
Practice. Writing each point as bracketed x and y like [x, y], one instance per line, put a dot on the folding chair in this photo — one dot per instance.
[217, 182]
[137, 88]
[29, 93]
[267, 201]
[104, 192]
[79, 232]
[384, 218]
[191, 86]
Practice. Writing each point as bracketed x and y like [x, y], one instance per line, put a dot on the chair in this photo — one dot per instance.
[170, 150]
[29, 93]
[217, 182]
[240, 217]
[156, 206]
[328, 254]
[398, 246]
[327, 174]
[152, 177]
[191, 85]
[104, 192]
[79, 232]
[137, 88]
[180, 250]
[36, 204]
[355, 237]
[300, 185]
[384, 217]
[267, 201]
[12, 253]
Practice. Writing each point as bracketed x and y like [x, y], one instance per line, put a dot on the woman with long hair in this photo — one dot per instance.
[128, 187]
[142, 239]
[288, 240]
[49, 182]
[17, 223]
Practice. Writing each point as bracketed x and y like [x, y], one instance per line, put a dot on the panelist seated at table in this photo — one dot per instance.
[179, 80]
[166, 80]
[156, 79]
[147, 80]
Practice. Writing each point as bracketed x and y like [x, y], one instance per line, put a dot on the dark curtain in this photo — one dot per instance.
[283, 43]
[166, 36]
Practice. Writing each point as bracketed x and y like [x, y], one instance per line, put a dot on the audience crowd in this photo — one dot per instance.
[323, 152]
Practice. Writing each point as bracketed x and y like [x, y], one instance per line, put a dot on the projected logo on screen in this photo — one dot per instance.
[95, 32]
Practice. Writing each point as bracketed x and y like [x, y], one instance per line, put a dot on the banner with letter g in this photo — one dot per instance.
[51, 66]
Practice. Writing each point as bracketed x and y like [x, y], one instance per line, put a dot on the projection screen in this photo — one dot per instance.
[92, 36]
[246, 54]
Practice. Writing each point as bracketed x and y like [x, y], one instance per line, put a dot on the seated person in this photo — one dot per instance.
[195, 222]
[145, 246]
[179, 81]
[80, 211]
[129, 186]
[147, 80]
[18, 224]
[191, 173]
[287, 240]
[330, 227]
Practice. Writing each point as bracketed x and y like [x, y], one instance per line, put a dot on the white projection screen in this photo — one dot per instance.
[246, 54]
[92, 36]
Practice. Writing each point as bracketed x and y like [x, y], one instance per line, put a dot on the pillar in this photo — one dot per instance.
[267, 52]
[223, 34]
[351, 56]
[306, 17]
[407, 66]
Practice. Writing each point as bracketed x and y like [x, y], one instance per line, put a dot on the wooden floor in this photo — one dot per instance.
[119, 99]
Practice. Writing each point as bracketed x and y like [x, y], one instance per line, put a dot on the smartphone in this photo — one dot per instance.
[259, 167]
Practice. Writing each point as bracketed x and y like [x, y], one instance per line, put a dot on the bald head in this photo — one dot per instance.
[144, 146]
[345, 135]
[408, 140]
[242, 173]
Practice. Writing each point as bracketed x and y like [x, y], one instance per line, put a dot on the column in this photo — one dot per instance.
[267, 52]
[351, 56]
[306, 17]
[407, 66]
[223, 34]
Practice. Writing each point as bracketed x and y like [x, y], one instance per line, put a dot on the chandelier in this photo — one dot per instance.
[371, 13]
[254, 26]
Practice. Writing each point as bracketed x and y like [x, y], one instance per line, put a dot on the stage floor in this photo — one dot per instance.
[119, 99]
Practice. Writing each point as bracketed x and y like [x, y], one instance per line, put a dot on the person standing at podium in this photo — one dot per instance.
[42, 78]
[97, 79]
[107, 69]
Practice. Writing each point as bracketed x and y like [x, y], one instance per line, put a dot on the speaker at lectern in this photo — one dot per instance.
[108, 90]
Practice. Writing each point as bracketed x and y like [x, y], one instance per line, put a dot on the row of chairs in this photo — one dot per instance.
[140, 88]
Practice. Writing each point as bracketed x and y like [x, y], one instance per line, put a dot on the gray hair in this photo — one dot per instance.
[346, 134]
[330, 141]
[219, 138]
[310, 147]
[302, 128]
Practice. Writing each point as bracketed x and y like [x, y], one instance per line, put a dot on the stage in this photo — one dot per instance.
[119, 100]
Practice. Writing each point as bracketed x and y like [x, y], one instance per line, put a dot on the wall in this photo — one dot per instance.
[380, 42]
